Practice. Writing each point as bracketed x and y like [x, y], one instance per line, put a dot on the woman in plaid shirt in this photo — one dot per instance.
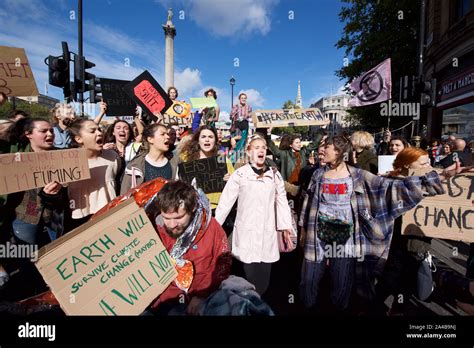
[348, 216]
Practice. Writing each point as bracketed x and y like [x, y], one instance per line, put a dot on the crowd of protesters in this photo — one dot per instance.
[326, 197]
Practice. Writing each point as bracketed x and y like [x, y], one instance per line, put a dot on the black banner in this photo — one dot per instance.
[209, 173]
[118, 101]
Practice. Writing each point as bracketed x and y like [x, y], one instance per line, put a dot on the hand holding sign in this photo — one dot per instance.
[103, 107]
[448, 173]
[52, 188]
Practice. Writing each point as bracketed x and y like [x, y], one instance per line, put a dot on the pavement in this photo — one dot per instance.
[283, 290]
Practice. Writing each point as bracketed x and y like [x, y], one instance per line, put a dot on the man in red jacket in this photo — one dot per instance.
[197, 243]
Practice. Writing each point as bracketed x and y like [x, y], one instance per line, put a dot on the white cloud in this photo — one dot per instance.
[224, 116]
[254, 98]
[327, 93]
[106, 47]
[30, 9]
[341, 90]
[115, 41]
[228, 18]
[188, 82]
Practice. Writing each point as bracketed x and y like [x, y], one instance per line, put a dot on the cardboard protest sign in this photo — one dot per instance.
[128, 119]
[113, 265]
[288, 118]
[169, 120]
[118, 101]
[447, 216]
[385, 163]
[199, 103]
[179, 109]
[147, 92]
[209, 173]
[16, 76]
[24, 171]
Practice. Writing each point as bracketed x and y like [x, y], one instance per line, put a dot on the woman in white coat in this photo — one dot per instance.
[262, 211]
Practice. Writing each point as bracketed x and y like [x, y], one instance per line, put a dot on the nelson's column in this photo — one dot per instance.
[170, 33]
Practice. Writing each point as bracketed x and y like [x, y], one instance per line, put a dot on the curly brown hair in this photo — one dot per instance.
[191, 149]
[214, 94]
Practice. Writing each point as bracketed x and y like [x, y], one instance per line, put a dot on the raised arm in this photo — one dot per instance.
[103, 109]
[196, 120]
[218, 111]
[139, 124]
[392, 197]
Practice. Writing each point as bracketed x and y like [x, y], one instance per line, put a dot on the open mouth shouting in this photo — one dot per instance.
[122, 136]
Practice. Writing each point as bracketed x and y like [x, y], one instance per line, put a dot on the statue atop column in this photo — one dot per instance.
[169, 28]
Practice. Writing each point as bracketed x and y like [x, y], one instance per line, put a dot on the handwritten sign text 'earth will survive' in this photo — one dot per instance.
[113, 265]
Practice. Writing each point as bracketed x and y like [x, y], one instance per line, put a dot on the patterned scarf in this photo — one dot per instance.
[197, 227]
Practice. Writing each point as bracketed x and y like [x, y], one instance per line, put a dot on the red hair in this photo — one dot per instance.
[406, 157]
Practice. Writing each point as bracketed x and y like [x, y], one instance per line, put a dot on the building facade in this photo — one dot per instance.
[41, 99]
[335, 109]
[449, 58]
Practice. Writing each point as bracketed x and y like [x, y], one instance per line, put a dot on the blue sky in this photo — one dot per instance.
[274, 51]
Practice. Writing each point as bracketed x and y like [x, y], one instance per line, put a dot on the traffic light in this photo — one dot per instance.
[428, 92]
[85, 81]
[58, 71]
[80, 73]
[408, 88]
[95, 88]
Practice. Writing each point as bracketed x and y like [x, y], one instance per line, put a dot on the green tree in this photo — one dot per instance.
[289, 105]
[32, 109]
[374, 31]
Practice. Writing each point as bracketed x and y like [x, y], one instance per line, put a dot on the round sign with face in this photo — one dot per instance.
[179, 109]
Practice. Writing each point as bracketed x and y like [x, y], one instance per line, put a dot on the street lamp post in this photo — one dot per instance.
[232, 83]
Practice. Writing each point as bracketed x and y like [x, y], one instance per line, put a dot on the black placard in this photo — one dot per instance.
[209, 173]
[118, 101]
[148, 93]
